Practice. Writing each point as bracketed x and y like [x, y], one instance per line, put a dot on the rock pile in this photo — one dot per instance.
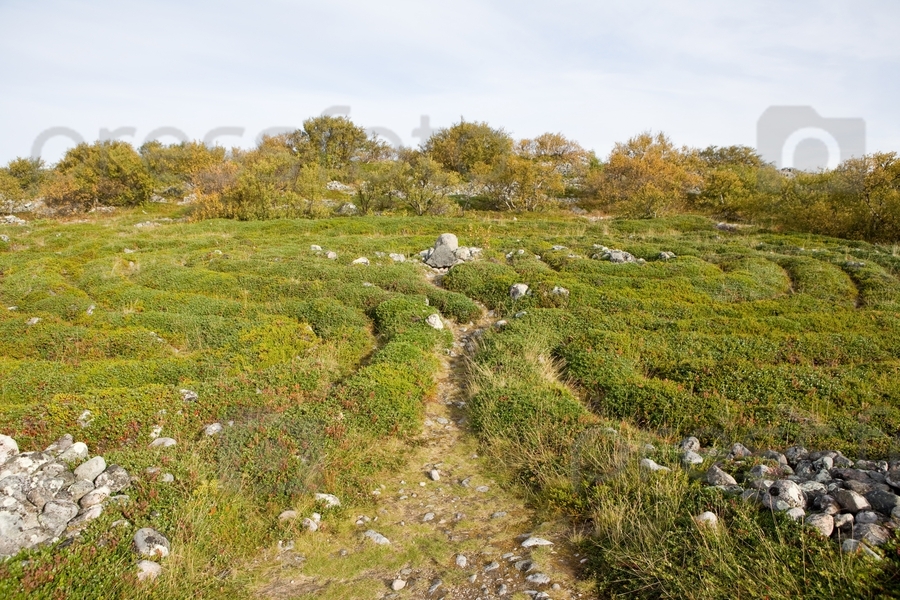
[856, 503]
[447, 252]
[47, 495]
[615, 256]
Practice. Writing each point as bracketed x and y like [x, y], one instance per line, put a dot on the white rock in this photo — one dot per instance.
[398, 584]
[377, 538]
[315, 248]
[783, 495]
[362, 260]
[434, 321]
[94, 497]
[822, 523]
[310, 525]
[707, 519]
[328, 500]
[86, 516]
[150, 542]
[163, 442]
[518, 290]
[155, 432]
[559, 291]
[397, 257]
[84, 420]
[8, 448]
[651, 465]
[33, 321]
[331, 255]
[288, 515]
[796, 514]
[536, 541]
[147, 570]
[435, 475]
[189, 395]
[213, 429]
[461, 561]
[538, 579]
[89, 470]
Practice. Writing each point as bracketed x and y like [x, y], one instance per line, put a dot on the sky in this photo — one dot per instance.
[598, 72]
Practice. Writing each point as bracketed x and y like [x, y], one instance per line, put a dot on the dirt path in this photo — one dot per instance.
[453, 531]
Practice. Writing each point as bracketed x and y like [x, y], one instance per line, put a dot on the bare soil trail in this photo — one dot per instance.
[454, 531]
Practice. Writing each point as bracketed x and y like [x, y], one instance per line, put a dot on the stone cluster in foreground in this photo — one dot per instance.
[856, 503]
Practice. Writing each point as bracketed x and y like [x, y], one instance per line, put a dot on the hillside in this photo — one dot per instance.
[281, 366]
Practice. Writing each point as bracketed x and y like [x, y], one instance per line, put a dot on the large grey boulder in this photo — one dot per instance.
[443, 254]
[115, 478]
[882, 501]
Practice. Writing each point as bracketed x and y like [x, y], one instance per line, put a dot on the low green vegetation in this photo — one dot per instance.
[322, 369]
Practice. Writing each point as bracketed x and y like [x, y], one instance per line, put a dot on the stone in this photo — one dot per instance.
[86, 516]
[707, 519]
[288, 515]
[435, 475]
[538, 579]
[428, 517]
[461, 561]
[690, 458]
[867, 517]
[689, 444]
[166, 478]
[434, 321]
[518, 290]
[821, 522]
[397, 257]
[94, 497]
[90, 469]
[310, 525]
[150, 542]
[163, 442]
[716, 476]
[213, 429]
[783, 495]
[843, 521]
[851, 501]
[24, 463]
[559, 291]
[871, 533]
[56, 448]
[759, 472]
[377, 537]
[666, 255]
[76, 453]
[398, 584]
[189, 395]
[331, 255]
[328, 500]
[78, 489]
[362, 260]
[738, 451]
[778, 457]
[8, 448]
[795, 454]
[315, 248]
[795, 514]
[650, 465]
[147, 570]
[493, 566]
[536, 541]
[882, 501]
[443, 254]
[57, 514]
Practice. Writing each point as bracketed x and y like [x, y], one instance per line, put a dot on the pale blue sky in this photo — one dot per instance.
[599, 72]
